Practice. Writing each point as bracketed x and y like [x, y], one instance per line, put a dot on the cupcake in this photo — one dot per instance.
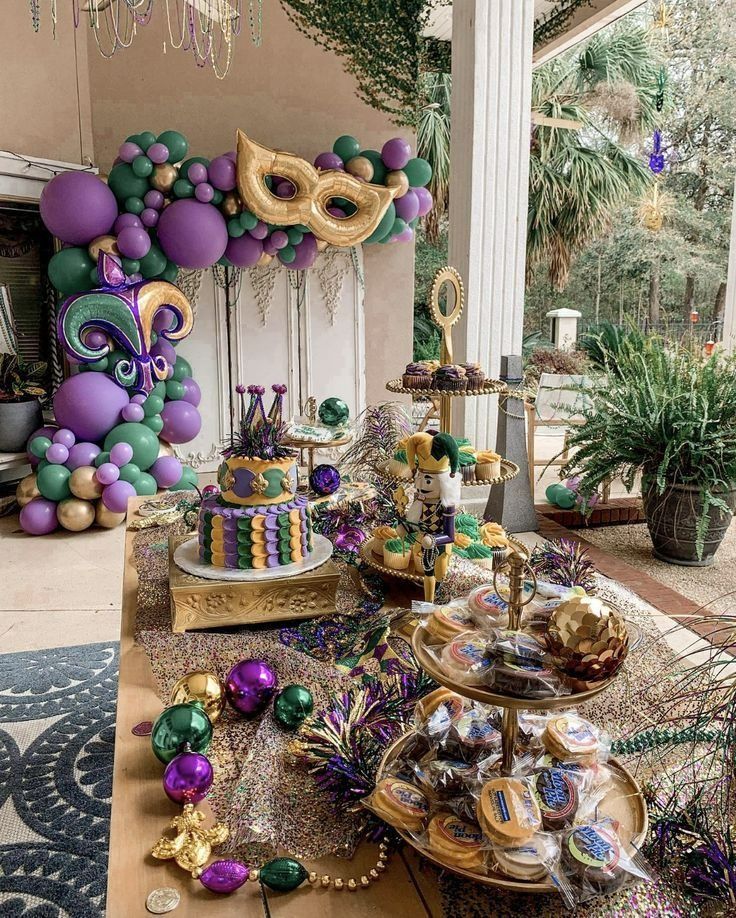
[450, 378]
[467, 461]
[475, 376]
[416, 557]
[381, 535]
[487, 465]
[397, 554]
[467, 523]
[430, 365]
[462, 540]
[398, 465]
[494, 536]
[480, 554]
[417, 376]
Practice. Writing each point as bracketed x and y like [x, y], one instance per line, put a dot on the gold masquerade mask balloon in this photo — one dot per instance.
[314, 191]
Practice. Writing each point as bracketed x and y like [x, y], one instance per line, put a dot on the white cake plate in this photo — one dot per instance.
[187, 558]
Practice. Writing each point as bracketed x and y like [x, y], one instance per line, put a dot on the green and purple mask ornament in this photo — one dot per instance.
[129, 314]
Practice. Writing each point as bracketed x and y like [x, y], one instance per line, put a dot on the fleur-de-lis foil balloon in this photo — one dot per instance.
[125, 312]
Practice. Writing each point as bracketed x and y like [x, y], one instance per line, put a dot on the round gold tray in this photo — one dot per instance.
[509, 471]
[623, 802]
[489, 387]
[428, 662]
[374, 559]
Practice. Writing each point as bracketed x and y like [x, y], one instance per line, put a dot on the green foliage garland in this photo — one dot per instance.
[556, 20]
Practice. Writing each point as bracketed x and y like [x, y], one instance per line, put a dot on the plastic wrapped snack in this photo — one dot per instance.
[507, 812]
[437, 711]
[445, 778]
[475, 735]
[487, 607]
[465, 660]
[532, 861]
[399, 803]
[519, 667]
[571, 738]
[457, 842]
[443, 623]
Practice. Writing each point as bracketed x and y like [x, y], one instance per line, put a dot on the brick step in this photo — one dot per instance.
[615, 512]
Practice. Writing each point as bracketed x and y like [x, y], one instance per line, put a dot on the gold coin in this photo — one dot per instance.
[163, 900]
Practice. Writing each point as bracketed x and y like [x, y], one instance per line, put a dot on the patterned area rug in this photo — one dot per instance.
[57, 730]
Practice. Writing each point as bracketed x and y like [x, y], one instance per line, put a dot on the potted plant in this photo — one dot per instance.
[20, 408]
[669, 414]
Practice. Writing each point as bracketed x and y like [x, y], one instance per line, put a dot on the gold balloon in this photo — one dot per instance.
[398, 180]
[314, 191]
[163, 177]
[361, 167]
[106, 518]
[321, 245]
[27, 490]
[75, 514]
[264, 260]
[107, 244]
[231, 204]
[82, 483]
[200, 686]
[164, 449]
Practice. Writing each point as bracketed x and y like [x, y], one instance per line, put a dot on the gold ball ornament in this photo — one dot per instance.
[105, 518]
[264, 260]
[231, 204]
[75, 514]
[203, 686]
[108, 244]
[163, 176]
[397, 179]
[83, 484]
[361, 167]
[27, 490]
[587, 638]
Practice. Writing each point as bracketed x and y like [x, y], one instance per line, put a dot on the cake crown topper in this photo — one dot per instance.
[259, 434]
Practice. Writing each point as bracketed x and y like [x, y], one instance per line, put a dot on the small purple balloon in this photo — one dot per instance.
[285, 189]
[149, 217]
[163, 320]
[336, 212]
[224, 876]
[204, 192]
[126, 220]
[38, 517]
[424, 196]
[268, 247]
[407, 206]
[57, 454]
[259, 231]
[164, 348]
[82, 454]
[158, 152]
[128, 151]
[139, 398]
[250, 684]
[116, 495]
[406, 235]
[244, 251]
[197, 173]
[232, 156]
[279, 239]
[222, 173]
[166, 470]
[188, 777]
[107, 474]
[329, 160]
[306, 253]
[396, 153]
[134, 242]
[154, 199]
[182, 421]
[133, 412]
[65, 437]
[121, 454]
[95, 339]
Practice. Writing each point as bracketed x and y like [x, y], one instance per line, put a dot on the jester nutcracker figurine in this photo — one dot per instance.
[430, 519]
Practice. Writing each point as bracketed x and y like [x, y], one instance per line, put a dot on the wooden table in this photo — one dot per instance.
[141, 811]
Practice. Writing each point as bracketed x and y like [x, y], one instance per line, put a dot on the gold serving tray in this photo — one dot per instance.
[624, 802]
[509, 471]
[488, 387]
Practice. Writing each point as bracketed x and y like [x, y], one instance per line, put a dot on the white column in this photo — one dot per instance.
[491, 123]
[729, 315]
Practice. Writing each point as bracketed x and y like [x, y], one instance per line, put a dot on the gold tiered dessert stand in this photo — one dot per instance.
[623, 802]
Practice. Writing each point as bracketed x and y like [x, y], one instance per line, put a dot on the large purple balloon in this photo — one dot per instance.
[188, 777]
[250, 685]
[329, 160]
[116, 495]
[41, 432]
[192, 392]
[407, 207]
[89, 404]
[192, 234]
[306, 252]
[244, 251]
[82, 454]
[424, 196]
[396, 153]
[222, 173]
[164, 348]
[134, 242]
[38, 517]
[164, 319]
[166, 470]
[77, 207]
[182, 421]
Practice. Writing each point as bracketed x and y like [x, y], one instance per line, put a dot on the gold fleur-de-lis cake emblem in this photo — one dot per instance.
[192, 845]
[259, 484]
[286, 485]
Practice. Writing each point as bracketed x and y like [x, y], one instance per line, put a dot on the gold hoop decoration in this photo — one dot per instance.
[446, 275]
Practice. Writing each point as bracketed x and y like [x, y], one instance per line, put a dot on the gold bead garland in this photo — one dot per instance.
[325, 881]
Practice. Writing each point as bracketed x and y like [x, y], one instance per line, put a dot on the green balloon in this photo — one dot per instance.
[566, 499]
[53, 482]
[69, 270]
[282, 874]
[551, 491]
[99, 366]
[102, 458]
[235, 228]
[42, 463]
[398, 227]
[379, 170]
[143, 440]
[131, 265]
[182, 368]
[295, 235]
[159, 389]
[130, 473]
[154, 404]
[153, 263]
[134, 138]
[292, 706]
[346, 147]
[385, 224]
[124, 183]
[145, 139]
[183, 188]
[145, 485]
[217, 197]
[39, 445]
[302, 228]
[184, 168]
[169, 273]
[174, 390]
[177, 725]
[418, 171]
[154, 423]
[134, 205]
[94, 278]
[142, 166]
[176, 143]
[248, 220]
[287, 254]
[225, 262]
[188, 480]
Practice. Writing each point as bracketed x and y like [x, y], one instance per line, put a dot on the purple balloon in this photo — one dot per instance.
[116, 495]
[407, 206]
[158, 152]
[232, 155]
[38, 517]
[95, 339]
[77, 207]
[259, 231]
[268, 247]
[65, 437]
[192, 234]
[128, 151]
[121, 454]
[154, 199]
[396, 153]
[279, 239]
[82, 454]
[285, 189]
[57, 454]
[139, 398]
[329, 160]
[107, 473]
[163, 320]
[149, 217]
[224, 876]
[133, 412]
[89, 404]
[222, 173]
[41, 432]
[336, 211]
[192, 392]
[244, 251]
[165, 349]
[134, 242]
[204, 192]
[125, 220]
[250, 684]
[406, 235]
[182, 421]
[166, 470]
[424, 196]
[188, 777]
[306, 253]
[197, 173]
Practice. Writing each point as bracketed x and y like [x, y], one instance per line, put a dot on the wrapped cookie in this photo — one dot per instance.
[399, 803]
[465, 660]
[443, 623]
[507, 811]
[531, 861]
[437, 711]
[457, 842]
[572, 738]
[475, 735]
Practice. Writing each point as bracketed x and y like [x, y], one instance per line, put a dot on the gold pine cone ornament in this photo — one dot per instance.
[587, 638]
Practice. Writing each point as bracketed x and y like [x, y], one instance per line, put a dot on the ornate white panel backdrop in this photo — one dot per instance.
[310, 336]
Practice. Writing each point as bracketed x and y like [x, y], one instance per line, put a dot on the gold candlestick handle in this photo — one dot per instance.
[446, 275]
[519, 571]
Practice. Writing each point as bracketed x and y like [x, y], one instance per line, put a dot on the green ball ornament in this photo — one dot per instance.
[176, 143]
[287, 254]
[248, 220]
[134, 138]
[99, 366]
[154, 404]
[379, 169]
[174, 390]
[188, 480]
[53, 482]
[235, 228]
[346, 147]
[131, 265]
[551, 491]
[134, 205]
[154, 423]
[39, 445]
[292, 706]
[145, 139]
[418, 171]
[183, 188]
[124, 183]
[182, 368]
[295, 235]
[160, 388]
[177, 725]
[153, 263]
[130, 473]
[333, 412]
[282, 874]
[142, 166]
[145, 485]
[102, 458]
[69, 270]
[143, 440]
[302, 228]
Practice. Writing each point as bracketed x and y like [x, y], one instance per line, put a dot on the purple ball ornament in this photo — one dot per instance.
[77, 207]
[259, 231]
[121, 454]
[182, 421]
[128, 151]
[268, 247]
[407, 206]
[133, 412]
[222, 173]
[149, 217]
[192, 234]
[65, 437]
[153, 199]
[250, 685]
[107, 474]
[204, 192]
[396, 153]
[166, 470]
[426, 201]
[126, 220]
[57, 454]
[38, 517]
[134, 242]
[210, 491]
[329, 160]
[192, 392]
[82, 454]
[138, 399]
[224, 876]
[244, 251]
[279, 239]
[89, 404]
[188, 778]
[406, 235]
[325, 479]
[197, 173]
[158, 153]
[116, 495]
